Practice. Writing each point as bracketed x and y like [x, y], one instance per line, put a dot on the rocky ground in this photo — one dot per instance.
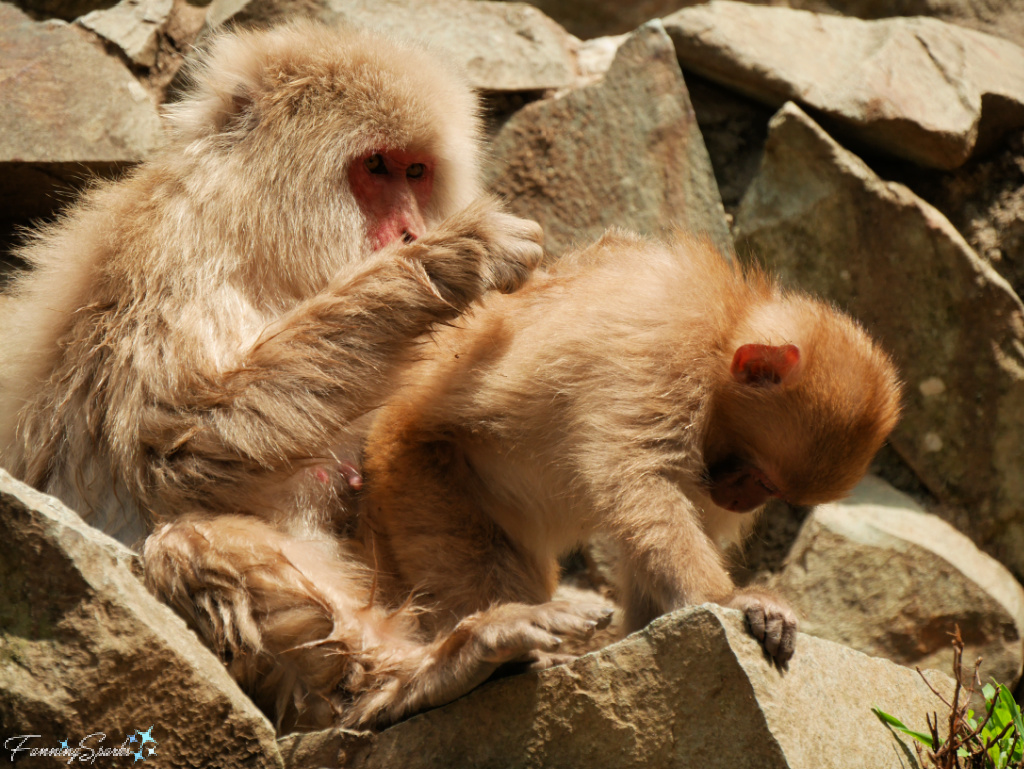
[867, 154]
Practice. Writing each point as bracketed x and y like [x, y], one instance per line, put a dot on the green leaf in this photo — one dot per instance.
[926, 739]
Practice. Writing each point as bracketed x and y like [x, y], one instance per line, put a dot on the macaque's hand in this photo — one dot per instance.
[771, 622]
[516, 248]
[478, 249]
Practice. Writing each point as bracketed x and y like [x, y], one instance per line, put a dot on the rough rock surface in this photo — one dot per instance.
[692, 690]
[85, 649]
[878, 574]
[920, 88]
[622, 152]
[69, 109]
[997, 17]
[513, 46]
[822, 218]
[133, 26]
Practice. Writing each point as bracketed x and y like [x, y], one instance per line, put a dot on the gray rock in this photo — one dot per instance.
[622, 152]
[501, 46]
[821, 217]
[133, 26]
[692, 689]
[69, 109]
[878, 574]
[919, 88]
[85, 649]
[997, 17]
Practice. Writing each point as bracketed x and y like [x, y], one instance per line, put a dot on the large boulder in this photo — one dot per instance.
[821, 217]
[878, 574]
[69, 109]
[89, 660]
[501, 46]
[625, 151]
[693, 689]
[919, 88]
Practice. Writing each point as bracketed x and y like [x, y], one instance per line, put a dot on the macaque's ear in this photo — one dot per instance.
[765, 364]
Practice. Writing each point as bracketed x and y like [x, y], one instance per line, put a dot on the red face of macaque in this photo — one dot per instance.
[392, 188]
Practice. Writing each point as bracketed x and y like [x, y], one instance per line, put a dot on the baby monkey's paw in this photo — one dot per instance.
[771, 622]
[516, 631]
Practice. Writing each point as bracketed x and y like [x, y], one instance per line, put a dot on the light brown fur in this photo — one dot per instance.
[195, 343]
[593, 402]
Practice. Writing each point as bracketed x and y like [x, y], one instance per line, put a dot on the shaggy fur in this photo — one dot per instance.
[593, 401]
[195, 345]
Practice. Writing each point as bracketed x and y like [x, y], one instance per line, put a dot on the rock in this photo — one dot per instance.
[983, 199]
[692, 689]
[501, 46]
[68, 109]
[878, 574]
[997, 17]
[623, 152]
[69, 10]
[595, 18]
[919, 88]
[85, 649]
[133, 26]
[821, 217]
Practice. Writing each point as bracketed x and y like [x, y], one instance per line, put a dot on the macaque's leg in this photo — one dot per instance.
[425, 515]
[669, 562]
[467, 655]
[297, 623]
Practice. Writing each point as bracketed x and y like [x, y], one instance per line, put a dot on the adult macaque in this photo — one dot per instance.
[651, 394]
[194, 346]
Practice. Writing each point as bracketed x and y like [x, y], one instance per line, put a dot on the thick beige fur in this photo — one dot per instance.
[194, 346]
[590, 402]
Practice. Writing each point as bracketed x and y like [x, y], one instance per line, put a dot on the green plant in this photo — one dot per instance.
[996, 742]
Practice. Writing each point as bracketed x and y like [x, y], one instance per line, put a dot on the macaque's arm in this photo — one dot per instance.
[669, 562]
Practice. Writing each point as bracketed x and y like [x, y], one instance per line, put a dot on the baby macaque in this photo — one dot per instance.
[652, 394]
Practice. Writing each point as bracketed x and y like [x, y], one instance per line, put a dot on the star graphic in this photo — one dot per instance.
[146, 736]
[64, 744]
[152, 751]
[132, 738]
[138, 756]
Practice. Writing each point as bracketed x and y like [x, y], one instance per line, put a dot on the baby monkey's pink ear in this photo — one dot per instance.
[765, 364]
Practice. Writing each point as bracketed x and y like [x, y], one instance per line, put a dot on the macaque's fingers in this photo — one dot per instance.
[516, 249]
[771, 622]
[538, 660]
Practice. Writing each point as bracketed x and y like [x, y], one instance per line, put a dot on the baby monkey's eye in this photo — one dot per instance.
[415, 171]
[375, 164]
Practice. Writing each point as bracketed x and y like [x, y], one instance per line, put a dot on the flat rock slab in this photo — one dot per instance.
[691, 690]
[878, 574]
[501, 46]
[919, 88]
[69, 109]
[625, 151]
[85, 650]
[133, 26]
[819, 216]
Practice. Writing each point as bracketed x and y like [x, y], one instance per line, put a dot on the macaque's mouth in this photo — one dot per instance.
[738, 485]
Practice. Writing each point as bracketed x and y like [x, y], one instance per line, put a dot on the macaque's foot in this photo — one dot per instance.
[516, 631]
[771, 622]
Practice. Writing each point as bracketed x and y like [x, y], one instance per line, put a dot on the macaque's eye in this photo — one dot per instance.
[416, 171]
[375, 164]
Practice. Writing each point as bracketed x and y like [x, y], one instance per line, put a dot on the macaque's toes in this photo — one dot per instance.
[538, 660]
